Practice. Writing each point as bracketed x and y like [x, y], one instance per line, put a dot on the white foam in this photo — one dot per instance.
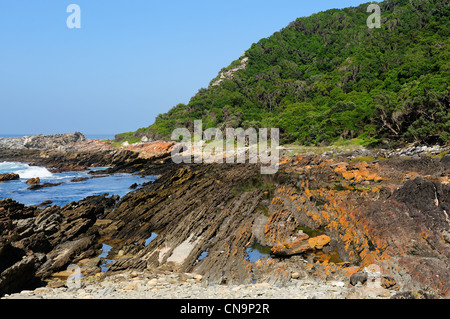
[24, 170]
[8, 167]
[33, 172]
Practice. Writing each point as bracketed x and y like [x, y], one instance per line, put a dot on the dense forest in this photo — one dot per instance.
[330, 77]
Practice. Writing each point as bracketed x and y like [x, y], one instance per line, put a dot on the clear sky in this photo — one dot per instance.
[129, 61]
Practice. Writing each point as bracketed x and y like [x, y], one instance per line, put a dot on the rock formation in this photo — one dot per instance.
[42, 142]
[323, 216]
[35, 243]
[8, 177]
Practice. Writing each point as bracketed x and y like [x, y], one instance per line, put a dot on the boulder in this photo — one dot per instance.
[35, 243]
[300, 245]
[19, 276]
[33, 181]
[319, 241]
[9, 177]
[359, 277]
[63, 255]
[45, 185]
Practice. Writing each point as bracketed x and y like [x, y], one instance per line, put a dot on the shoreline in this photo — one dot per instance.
[343, 200]
[169, 285]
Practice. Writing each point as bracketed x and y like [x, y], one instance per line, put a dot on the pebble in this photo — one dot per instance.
[148, 285]
[295, 275]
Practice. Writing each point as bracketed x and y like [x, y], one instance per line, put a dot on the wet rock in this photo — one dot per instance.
[8, 177]
[45, 203]
[53, 237]
[32, 181]
[36, 186]
[79, 179]
[134, 186]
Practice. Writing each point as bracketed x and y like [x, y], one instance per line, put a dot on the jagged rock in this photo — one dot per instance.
[32, 181]
[45, 203]
[41, 142]
[8, 177]
[359, 213]
[63, 255]
[53, 237]
[19, 276]
[45, 185]
[134, 186]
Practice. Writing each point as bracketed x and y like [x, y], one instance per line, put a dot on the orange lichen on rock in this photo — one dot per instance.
[349, 271]
[368, 222]
[151, 150]
[319, 242]
[444, 180]
[298, 246]
[357, 172]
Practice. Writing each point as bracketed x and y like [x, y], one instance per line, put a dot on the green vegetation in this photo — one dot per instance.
[257, 183]
[328, 78]
[363, 159]
[311, 232]
[440, 155]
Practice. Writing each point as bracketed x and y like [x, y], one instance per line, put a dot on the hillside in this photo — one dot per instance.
[328, 77]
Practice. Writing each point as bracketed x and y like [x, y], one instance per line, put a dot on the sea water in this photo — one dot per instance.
[68, 191]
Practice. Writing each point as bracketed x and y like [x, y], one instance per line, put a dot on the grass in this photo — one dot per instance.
[363, 159]
[441, 155]
[311, 232]
[343, 145]
[255, 183]
[264, 210]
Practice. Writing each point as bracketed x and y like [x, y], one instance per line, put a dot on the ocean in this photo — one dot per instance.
[117, 184]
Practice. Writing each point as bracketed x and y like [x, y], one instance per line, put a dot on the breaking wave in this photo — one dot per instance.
[25, 171]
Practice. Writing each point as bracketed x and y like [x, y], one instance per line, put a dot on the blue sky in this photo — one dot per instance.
[130, 61]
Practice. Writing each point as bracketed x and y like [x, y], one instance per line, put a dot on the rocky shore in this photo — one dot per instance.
[169, 285]
[42, 142]
[322, 226]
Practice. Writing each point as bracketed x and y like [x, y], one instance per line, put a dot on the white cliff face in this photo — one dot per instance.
[229, 74]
